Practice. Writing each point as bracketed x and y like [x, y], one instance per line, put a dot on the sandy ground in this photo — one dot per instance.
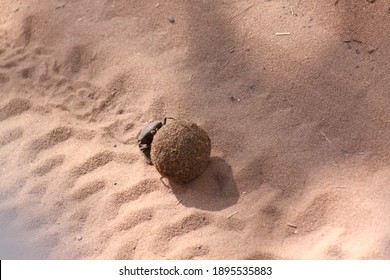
[299, 124]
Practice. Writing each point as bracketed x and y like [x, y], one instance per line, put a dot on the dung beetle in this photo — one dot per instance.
[146, 135]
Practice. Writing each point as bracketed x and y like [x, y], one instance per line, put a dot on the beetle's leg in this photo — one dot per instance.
[148, 160]
[145, 149]
[153, 132]
[168, 118]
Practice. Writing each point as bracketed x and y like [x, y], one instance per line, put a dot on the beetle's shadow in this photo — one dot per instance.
[214, 190]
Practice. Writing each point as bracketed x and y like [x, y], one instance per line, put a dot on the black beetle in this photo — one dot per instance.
[146, 135]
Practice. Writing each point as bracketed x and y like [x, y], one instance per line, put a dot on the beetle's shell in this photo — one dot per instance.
[148, 128]
[181, 151]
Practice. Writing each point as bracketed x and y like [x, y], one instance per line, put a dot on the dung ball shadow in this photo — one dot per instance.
[214, 190]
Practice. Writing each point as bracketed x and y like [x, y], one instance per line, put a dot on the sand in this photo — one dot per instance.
[299, 124]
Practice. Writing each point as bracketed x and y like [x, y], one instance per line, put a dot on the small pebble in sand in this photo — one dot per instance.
[115, 145]
[371, 50]
[60, 6]
[171, 19]
[79, 237]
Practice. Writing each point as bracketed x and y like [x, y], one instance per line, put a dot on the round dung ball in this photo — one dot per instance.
[181, 151]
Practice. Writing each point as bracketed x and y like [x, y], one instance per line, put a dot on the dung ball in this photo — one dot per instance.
[181, 151]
